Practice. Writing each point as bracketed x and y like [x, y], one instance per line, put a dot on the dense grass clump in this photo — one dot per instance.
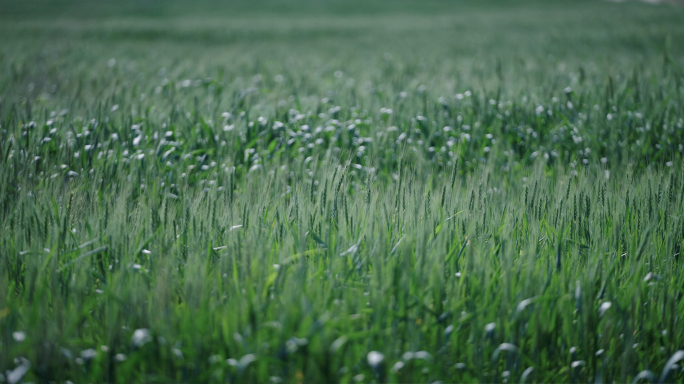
[338, 192]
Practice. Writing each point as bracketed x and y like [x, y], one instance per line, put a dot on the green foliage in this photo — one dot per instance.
[341, 192]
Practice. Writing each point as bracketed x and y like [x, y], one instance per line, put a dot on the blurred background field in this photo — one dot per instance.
[341, 191]
[448, 45]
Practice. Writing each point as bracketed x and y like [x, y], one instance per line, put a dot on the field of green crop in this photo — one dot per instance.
[322, 191]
